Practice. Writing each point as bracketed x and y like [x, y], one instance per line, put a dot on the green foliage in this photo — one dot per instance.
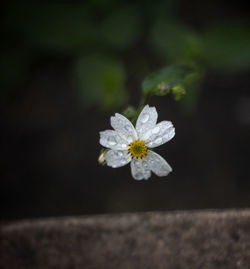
[100, 80]
[122, 27]
[192, 84]
[59, 27]
[64, 29]
[176, 41]
[227, 46]
[71, 28]
[166, 80]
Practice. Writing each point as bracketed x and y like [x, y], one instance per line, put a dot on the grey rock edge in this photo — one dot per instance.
[190, 239]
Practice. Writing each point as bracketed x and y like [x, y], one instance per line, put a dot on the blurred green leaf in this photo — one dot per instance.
[175, 41]
[192, 84]
[166, 80]
[162, 8]
[121, 27]
[61, 27]
[101, 4]
[100, 81]
[227, 46]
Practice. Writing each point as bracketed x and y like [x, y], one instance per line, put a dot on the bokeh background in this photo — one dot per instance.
[67, 66]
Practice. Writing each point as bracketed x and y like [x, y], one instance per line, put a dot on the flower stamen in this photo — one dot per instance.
[138, 149]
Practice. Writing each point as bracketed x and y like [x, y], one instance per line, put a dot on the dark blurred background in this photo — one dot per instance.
[67, 66]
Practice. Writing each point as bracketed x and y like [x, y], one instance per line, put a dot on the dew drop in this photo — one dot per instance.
[120, 154]
[144, 118]
[145, 164]
[156, 130]
[151, 161]
[158, 140]
[128, 128]
[146, 135]
[112, 141]
[130, 139]
[139, 175]
[137, 163]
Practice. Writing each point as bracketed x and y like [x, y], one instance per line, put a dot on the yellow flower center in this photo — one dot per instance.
[138, 149]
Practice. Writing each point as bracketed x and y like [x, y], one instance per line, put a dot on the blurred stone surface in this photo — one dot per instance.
[192, 239]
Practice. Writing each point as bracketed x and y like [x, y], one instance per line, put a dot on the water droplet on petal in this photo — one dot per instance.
[128, 128]
[146, 135]
[139, 175]
[120, 154]
[130, 139]
[112, 141]
[150, 144]
[156, 130]
[158, 140]
[145, 164]
[144, 118]
[151, 161]
[137, 163]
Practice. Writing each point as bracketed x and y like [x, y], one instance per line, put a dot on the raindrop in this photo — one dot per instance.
[130, 139]
[112, 141]
[150, 144]
[146, 135]
[166, 137]
[151, 161]
[128, 128]
[137, 163]
[156, 130]
[144, 118]
[139, 175]
[120, 154]
[158, 140]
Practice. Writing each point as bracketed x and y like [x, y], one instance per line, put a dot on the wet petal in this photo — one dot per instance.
[160, 134]
[146, 120]
[111, 139]
[124, 127]
[117, 158]
[140, 169]
[158, 165]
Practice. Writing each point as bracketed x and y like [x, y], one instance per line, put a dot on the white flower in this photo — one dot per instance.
[129, 144]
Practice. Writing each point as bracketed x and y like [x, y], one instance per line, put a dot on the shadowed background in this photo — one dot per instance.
[67, 66]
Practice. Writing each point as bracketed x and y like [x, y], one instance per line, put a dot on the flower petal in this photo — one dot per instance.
[140, 169]
[146, 120]
[117, 158]
[160, 134]
[111, 139]
[158, 165]
[124, 127]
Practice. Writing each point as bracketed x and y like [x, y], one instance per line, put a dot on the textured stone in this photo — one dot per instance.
[196, 239]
